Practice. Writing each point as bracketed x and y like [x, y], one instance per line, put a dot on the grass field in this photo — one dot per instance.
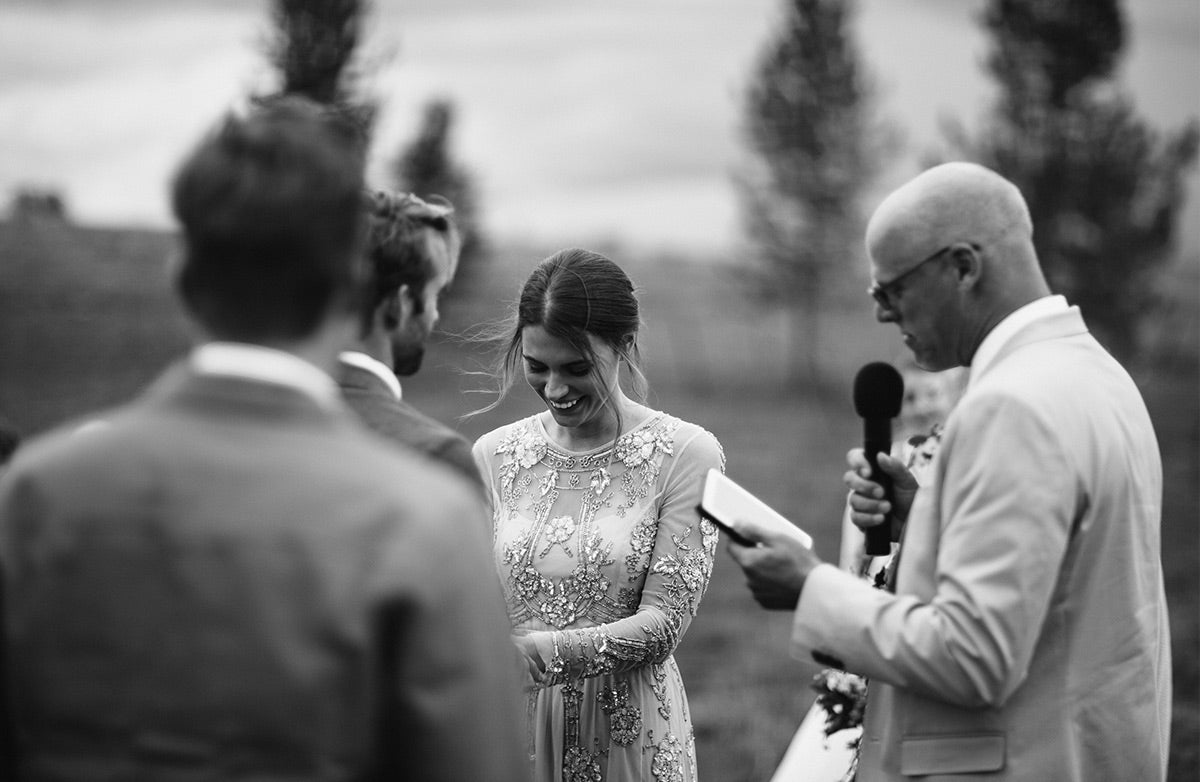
[86, 319]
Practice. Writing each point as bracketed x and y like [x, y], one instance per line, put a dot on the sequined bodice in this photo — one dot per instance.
[575, 530]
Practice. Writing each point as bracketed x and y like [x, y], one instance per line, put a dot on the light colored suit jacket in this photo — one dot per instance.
[229, 581]
[1028, 636]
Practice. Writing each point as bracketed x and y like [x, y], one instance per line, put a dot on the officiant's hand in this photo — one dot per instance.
[776, 566]
[868, 508]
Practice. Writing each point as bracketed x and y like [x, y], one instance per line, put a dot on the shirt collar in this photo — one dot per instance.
[266, 365]
[1008, 327]
[376, 367]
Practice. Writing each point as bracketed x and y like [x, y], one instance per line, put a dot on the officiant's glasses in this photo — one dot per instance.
[884, 293]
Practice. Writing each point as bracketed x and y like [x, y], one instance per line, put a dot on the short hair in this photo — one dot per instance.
[270, 203]
[401, 227]
[575, 294]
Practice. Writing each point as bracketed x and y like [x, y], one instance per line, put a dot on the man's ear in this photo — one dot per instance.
[397, 308]
[968, 264]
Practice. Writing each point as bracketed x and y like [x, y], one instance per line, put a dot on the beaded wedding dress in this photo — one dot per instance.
[603, 560]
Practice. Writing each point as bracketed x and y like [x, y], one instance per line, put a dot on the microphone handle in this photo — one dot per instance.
[878, 437]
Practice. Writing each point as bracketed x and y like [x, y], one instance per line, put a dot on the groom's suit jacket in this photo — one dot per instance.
[1028, 636]
[394, 418]
[231, 581]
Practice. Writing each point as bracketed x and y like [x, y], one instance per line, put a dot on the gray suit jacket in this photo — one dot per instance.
[395, 419]
[229, 581]
[1028, 636]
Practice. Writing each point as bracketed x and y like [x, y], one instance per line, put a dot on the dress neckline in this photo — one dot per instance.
[652, 417]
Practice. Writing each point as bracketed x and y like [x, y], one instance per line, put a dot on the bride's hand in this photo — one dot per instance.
[535, 666]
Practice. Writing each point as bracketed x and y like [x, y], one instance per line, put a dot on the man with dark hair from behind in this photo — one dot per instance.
[232, 580]
[412, 248]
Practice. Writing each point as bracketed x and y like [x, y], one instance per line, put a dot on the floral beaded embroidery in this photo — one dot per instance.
[560, 601]
[558, 533]
[625, 722]
[579, 537]
[667, 765]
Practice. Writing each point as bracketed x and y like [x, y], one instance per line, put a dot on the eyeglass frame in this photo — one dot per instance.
[879, 291]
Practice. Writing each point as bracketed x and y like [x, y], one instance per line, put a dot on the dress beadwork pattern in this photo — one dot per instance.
[603, 560]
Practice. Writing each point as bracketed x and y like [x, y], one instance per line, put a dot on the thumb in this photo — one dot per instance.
[750, 531]
[895, 469]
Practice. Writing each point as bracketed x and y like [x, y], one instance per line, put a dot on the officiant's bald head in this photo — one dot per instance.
[951, 255]
[949, 203]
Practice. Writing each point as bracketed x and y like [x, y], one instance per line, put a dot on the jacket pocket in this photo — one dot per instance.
[952, 754]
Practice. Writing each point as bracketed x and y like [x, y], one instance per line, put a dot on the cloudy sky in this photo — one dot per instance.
[583, 119]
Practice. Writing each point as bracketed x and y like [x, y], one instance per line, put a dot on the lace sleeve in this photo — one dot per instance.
[680, 548]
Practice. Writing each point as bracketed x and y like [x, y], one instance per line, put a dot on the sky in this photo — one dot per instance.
[582, 120]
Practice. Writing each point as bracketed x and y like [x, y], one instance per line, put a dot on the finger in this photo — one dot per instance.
[752, 531]
[858, 463]
[738, 552]
[868, 490]
[861, 481]
[865, 521]
[870, 505]
[894, 467]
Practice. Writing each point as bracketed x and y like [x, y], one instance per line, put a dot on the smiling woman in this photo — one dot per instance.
[597, 541]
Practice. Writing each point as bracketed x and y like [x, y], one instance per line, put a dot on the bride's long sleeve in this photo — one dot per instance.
[674, 549]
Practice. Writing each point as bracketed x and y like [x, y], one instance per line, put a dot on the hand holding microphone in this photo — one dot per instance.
[878, 394]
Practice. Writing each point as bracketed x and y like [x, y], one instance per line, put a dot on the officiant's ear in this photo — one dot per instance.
[967, 260]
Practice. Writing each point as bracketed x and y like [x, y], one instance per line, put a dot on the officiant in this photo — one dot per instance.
[1027, 636]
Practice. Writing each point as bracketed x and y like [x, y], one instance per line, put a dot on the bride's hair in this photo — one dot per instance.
[574, 294]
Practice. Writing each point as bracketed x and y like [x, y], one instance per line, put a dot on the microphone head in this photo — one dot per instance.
[878, 391]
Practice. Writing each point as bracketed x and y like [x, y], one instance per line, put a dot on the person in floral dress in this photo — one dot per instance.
[599, 547]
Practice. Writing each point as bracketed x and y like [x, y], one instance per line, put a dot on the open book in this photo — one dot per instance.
[740, 514]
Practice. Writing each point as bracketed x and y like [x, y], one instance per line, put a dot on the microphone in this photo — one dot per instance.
[878, 392]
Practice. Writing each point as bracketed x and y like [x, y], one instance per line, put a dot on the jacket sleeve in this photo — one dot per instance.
[451, 693]
[1007, 501]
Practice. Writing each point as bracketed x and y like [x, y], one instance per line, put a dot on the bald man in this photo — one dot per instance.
[1027, 636]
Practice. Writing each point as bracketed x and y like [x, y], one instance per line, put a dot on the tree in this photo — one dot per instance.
[427, 167]
[313, 46]
[34, 203]
[1104, 189]
[814, 148]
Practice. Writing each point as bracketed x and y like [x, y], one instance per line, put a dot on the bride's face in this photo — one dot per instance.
[578, 390]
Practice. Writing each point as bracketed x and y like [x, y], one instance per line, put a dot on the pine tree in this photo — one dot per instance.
[427, 167]
[1103, 188]
[313, 48]
[814, 148]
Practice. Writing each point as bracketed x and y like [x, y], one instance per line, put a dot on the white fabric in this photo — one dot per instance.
[813, 757]
[1003, 331]
[376, 367]
[266, 365]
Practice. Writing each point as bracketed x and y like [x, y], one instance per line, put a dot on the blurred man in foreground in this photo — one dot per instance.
[412, 250]
[232, 579]
[1027, 638]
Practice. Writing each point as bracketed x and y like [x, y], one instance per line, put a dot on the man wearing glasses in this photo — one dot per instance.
[1027, 637]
